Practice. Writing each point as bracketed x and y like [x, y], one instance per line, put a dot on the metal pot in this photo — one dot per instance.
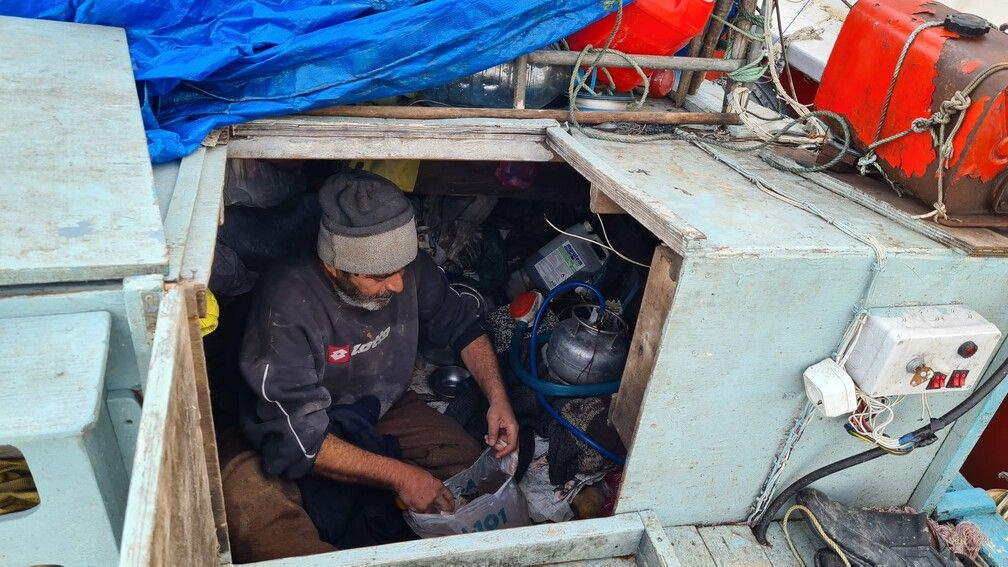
[588, 348]
[447, 381]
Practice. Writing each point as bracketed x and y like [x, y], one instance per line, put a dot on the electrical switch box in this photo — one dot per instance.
[924, 349]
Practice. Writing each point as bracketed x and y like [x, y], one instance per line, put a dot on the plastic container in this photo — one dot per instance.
[649, 27]
[563, 259]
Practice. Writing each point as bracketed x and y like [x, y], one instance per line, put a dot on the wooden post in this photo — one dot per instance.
[710, 40]
[521, 72]
[601, 117]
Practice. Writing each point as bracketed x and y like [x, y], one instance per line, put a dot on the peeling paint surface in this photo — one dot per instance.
[82, 228]
[78, 198]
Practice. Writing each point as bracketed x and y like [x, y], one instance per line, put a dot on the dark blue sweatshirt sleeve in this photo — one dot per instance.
[289, 421]
[448, 318]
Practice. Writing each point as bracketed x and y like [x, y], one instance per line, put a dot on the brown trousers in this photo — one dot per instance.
[265, 516]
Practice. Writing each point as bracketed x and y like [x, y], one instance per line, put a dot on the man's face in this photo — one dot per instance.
[372, 292]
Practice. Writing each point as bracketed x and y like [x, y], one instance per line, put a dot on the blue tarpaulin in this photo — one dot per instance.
[203, 64]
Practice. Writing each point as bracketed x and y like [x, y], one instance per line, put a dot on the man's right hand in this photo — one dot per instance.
[421, 492]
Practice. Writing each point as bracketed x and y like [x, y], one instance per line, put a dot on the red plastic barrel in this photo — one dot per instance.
[649, 27]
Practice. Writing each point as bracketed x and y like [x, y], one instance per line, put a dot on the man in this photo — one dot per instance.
[333, 331]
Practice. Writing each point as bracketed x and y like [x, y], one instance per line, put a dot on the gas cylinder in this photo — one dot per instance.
[588, 348]
[649, 27]
[939, 62]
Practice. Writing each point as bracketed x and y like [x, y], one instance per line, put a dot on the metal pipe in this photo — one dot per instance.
[548, 57]
[583, 117]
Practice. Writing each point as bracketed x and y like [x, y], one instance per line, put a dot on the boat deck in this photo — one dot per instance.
[735, 546]
[725, 546]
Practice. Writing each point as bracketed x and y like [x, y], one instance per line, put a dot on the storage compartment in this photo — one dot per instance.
[481, 222]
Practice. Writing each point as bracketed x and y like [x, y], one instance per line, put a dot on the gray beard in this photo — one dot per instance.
[352, 296]
[370, 305]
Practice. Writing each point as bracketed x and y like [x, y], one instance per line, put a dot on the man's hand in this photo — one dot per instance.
[421, 492]
[502, 428]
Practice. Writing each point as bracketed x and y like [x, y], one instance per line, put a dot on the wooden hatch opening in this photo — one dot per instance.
[557, 192]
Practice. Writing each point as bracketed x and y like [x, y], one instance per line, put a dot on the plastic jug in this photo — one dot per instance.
[649, 27]
[563, 259]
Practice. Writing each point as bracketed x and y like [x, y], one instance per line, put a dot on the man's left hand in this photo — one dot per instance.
[502, 428]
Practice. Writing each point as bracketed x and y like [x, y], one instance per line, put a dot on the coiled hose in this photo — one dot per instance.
[531, 377]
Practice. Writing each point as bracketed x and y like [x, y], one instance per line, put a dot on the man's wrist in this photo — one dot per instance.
[498, 397]
[400, 475]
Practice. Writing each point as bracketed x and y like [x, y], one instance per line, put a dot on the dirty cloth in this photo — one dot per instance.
[305, 349]
[266, 517]
[546, 501]
[569, 456]
[355, 515]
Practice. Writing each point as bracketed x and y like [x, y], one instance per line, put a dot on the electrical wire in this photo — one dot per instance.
[613, 248]
[920, 437]
[871, 418]
[595, 242]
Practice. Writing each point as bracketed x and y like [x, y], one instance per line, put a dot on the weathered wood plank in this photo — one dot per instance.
[61, 396]
[585, 540]
[180, 209]
[880, 198]
[649, 211]
[600, 203]
[122, 368]
[323, 137]
[169, 518]
[208, 206]
[78, 198]
[689, 546]
[626, 561]
[778, 551]
[655, 549]
[206, 422]
[648, 338]
[733, 546]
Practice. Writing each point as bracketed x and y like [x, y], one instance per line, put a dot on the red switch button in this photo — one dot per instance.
[958, 379]
[967, 349]
[937, 381]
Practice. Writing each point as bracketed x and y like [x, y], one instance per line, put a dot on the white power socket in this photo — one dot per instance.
[830, 388]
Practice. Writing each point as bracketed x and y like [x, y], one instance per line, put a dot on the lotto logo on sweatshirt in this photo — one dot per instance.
[336, 354]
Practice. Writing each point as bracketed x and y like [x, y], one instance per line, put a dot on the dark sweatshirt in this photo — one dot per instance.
[306, 349]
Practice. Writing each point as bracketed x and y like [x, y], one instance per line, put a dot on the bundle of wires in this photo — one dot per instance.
[871, 418]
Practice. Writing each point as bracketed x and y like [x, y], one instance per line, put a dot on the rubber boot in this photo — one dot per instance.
[874, 539]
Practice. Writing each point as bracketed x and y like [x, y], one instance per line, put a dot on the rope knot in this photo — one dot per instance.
[959, 101]
[866, 161]
[940, 210]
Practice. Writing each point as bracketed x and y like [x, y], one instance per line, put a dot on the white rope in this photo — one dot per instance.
[818, 528]
[943, 140]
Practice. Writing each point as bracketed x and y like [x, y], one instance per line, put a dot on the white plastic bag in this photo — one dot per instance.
[486, 498]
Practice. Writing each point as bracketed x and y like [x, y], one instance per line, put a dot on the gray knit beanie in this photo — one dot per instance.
[367, 224]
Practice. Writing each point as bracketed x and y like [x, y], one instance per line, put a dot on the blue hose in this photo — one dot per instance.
[550, 388]
[532, 380]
